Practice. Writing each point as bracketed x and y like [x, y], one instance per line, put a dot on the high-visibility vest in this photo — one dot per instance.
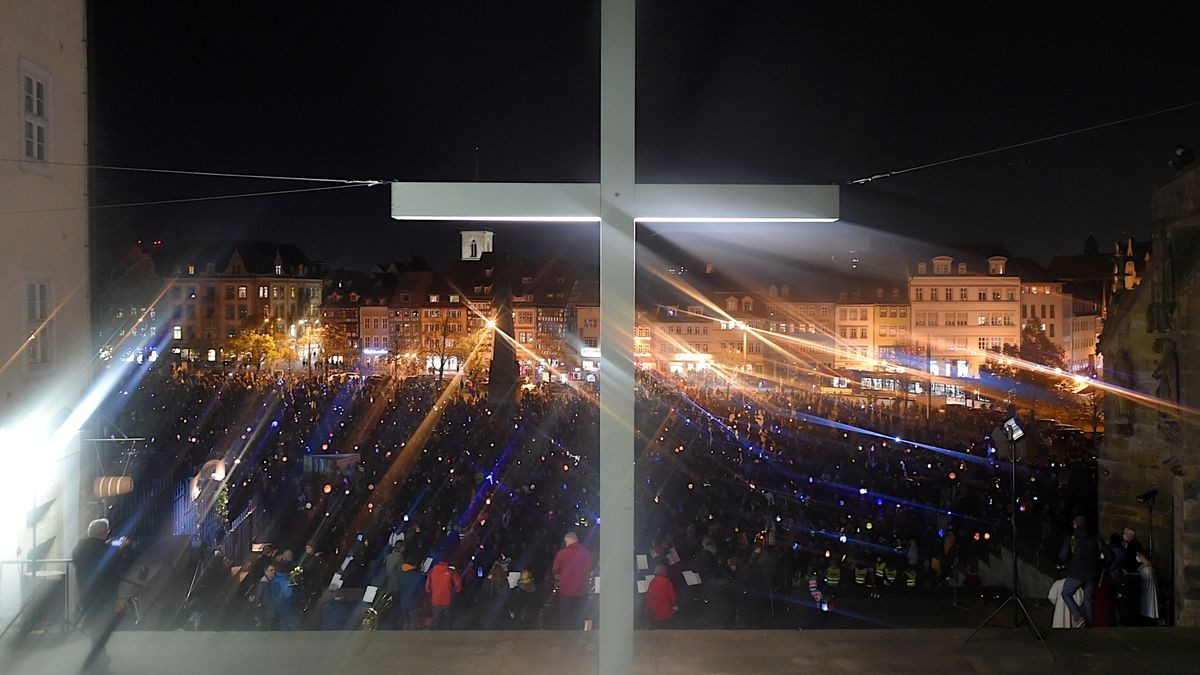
[910, 579]
[833, 575]
[860, 575]
[881, 570]
[891, 575]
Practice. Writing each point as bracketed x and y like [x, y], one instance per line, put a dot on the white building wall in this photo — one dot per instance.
[44, 232]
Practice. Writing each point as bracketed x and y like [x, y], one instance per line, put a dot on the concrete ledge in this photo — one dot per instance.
[823, 651]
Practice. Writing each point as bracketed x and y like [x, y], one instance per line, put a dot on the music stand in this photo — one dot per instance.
[1012, 433]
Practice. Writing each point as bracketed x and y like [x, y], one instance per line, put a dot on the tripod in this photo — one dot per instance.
[954, 571]
[1013, 433]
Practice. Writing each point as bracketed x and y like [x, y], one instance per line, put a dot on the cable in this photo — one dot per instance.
[863, 181]
[208, 198]
[216, 174]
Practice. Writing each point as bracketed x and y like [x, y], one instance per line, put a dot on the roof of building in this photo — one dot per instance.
[258, 257]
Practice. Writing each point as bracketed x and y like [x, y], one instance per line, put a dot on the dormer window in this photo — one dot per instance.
[191, 269]
[453, 297]
[996, 265]
[433, 297]
[278, 270]
[731, 304]
[920, 268]
[962, 268]
[941, 265]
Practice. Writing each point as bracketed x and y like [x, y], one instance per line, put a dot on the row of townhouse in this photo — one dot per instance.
[186, 300]
[948, 315]
[427, 321]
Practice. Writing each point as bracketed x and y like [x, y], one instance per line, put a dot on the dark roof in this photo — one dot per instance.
[1029, 270]
[259, 257]
[1096, 266]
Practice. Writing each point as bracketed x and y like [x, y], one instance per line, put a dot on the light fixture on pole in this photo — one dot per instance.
[1007, 436]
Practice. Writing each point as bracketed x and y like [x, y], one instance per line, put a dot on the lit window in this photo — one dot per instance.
[177, 332]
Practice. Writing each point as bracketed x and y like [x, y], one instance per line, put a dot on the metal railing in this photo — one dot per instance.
[46, 596]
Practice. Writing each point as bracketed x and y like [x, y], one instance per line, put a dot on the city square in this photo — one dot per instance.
[804, 400]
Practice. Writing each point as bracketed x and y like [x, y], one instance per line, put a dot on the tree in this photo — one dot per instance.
[1031, 374]
[254, 346]
[335, 342]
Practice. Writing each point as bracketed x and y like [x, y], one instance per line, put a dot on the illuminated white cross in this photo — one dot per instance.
[616, 202]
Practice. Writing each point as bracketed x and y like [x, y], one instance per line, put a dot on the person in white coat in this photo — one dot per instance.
[1149, 600]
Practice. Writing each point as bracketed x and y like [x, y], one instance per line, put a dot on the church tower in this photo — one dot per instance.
[475, 243]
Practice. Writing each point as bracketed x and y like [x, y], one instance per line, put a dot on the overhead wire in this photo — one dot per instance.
[210, 174]
[183, 200]
[1022, 144]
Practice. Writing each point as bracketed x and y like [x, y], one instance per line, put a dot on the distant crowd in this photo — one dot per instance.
[385, 502]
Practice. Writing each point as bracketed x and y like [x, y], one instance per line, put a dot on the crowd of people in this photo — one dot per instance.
[408, 503]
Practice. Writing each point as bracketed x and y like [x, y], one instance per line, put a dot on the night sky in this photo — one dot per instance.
[727, 91]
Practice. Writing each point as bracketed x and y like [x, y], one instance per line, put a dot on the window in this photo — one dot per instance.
[229, 292]
[842, 314]
[229, 312]
[949, 294]
[862, 314]
[883, 312]
[920, 268]
[962, 269]
[962, 294]
[590, 342]
[279, 270]
[39, 325]
[433, 297]
[883, 331]
[1024, 311]
[35, 111]
[920, 294]
[242, 292]
[1051, 331]
[177, 333]
[263, 292]
[903, 312]
[983, 344]
[1051, 311]
[276, 292]
[919, 318]
[453, 297]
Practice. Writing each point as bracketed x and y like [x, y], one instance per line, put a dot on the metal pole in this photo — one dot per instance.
[617, 269]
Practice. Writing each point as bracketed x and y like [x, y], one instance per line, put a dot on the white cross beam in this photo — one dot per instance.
[616, 202]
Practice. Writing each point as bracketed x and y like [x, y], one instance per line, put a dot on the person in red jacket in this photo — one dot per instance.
[441, 584]
[660, 598]
[573, 570]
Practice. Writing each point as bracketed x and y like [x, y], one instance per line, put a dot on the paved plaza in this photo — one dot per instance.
[1102, 650]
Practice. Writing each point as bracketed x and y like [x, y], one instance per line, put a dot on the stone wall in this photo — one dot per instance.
[1151, 347]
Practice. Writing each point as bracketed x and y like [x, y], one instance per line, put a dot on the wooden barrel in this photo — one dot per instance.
[112, 486]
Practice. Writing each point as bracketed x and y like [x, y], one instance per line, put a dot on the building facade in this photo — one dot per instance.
[961, 311]
[1149, 463]
[44, 278]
